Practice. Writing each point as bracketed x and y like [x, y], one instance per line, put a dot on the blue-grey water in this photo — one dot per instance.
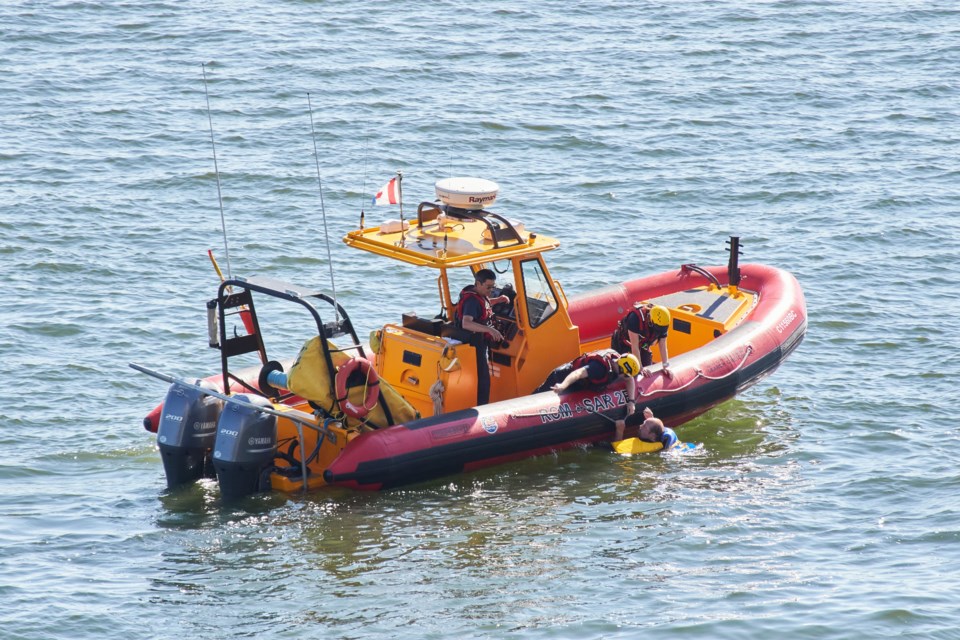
[825, 133]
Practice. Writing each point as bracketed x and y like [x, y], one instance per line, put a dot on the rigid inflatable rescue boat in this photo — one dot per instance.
[401, 408]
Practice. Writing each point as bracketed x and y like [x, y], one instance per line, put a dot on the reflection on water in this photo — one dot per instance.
[485, 547]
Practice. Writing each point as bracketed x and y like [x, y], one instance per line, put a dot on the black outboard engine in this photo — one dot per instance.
[188, 426]
[245, 447]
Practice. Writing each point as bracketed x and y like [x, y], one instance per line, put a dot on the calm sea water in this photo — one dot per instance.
[641, 134]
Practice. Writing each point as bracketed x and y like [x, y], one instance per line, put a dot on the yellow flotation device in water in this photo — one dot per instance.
[631, 446]
[309, 378]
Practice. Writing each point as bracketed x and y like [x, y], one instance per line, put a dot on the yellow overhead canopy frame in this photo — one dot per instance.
[461, 243]
[444, 238]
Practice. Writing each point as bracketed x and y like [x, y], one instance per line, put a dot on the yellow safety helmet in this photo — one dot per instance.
[660, 316]
[629, 365]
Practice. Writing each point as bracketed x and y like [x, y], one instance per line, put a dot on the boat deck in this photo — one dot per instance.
[711, 304]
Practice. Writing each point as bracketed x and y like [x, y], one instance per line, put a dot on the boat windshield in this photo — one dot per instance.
[541, 300]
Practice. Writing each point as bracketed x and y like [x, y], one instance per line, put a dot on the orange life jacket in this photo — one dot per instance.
[486, 316]
[466, 293]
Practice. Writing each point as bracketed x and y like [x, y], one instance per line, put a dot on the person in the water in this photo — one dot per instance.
[651, 429]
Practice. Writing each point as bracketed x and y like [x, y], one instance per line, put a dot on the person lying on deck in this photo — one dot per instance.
[594, 371]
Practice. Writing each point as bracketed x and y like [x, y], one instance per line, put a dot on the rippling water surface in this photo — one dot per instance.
[642, 134]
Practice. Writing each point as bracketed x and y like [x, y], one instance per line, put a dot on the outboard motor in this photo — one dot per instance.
[185, 436]
[245, 447]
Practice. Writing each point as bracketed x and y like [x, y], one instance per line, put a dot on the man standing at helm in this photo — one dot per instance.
[474, 313]
[636, 332]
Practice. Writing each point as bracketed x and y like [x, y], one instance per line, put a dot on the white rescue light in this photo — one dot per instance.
[467, 193]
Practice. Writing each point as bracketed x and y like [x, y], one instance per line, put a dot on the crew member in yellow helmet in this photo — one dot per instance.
[641, 327]
[594, 371]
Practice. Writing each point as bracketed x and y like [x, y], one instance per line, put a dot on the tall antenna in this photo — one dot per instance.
[363, 189]
[216, 170]
[323, 210]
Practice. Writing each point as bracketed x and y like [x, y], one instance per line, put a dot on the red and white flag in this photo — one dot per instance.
[389, 193]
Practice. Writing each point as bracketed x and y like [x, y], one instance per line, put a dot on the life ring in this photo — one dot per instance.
[373, 387]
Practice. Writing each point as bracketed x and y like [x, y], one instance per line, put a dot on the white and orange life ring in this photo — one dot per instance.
[372, 394]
